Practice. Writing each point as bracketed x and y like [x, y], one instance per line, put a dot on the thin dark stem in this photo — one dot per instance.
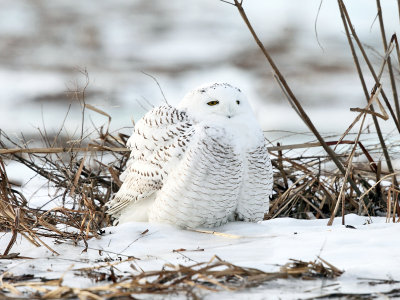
[159, 86]
[315, 26]
[343, 208]
[280, 165]
[81, 98]
[227, 2]
[389, 63]
[398, 6]
[293, 98]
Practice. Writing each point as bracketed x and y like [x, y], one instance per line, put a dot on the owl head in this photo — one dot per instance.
[216, 102]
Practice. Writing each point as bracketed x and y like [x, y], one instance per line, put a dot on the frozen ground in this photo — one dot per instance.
[369, 250]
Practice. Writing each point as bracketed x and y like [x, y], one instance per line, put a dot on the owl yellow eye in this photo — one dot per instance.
[212, 103]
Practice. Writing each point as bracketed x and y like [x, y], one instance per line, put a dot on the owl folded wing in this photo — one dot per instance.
[157, 143]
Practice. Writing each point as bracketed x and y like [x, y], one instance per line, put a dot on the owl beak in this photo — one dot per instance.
[230, 111]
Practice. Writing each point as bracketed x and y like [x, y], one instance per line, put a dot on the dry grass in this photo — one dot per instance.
[83, 172]
[314, 195]
[215, 275]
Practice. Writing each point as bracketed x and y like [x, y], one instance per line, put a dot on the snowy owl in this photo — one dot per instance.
[201, 164]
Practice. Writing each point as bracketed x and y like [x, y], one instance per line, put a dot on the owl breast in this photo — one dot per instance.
[206, 187]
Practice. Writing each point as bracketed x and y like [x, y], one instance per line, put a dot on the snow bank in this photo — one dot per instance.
[367, 250]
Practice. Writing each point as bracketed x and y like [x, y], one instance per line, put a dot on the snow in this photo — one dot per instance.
[368, 251]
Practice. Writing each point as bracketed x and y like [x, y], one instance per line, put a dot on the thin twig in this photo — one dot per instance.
[62, 150]
[315, 26]
[398, 7]
[159, 86]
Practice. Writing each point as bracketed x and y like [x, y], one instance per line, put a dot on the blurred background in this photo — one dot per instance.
[44, 46]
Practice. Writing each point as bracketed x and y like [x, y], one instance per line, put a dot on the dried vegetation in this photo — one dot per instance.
[215, 275]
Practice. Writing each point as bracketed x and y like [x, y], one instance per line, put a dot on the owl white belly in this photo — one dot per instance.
[204, 189]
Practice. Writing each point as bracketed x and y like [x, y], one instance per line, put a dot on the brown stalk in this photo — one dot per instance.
[291, 97]
[396, 203]
[396, 42]
[77, 175]
[297, 190]
[389, 63]
[280, 164]
[366, 110]
[62, 150]
[388, 205]
[398, 6]
[313, 206]
[122, 149]
[341, 197]
[115, 176]
[14, 231]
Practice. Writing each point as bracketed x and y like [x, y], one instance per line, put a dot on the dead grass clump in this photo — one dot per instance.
[319, 268]
[82, 173]
[307, 186]
[303, 192]
[215, 275]
[33, 224]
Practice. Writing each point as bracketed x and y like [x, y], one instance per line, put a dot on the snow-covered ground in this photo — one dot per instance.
[369, 250]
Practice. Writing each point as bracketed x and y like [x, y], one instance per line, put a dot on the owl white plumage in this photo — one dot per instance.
[201, 164]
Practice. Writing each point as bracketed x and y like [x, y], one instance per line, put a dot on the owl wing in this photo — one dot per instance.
[158, 142]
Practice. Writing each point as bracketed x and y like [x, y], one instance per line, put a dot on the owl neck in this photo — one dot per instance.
[243, 133]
